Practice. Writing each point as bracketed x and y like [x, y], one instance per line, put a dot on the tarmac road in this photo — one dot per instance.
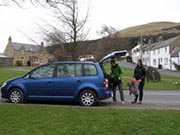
[152, 100]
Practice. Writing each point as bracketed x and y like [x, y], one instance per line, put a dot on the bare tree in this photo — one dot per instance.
[71, 23]
[106, 30]
[25, 3]
[72, 27]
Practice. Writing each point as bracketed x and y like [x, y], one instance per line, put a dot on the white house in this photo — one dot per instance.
[162, 54]
[136, 53]
[175, 57]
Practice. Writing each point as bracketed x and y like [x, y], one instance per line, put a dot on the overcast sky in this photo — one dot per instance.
[119, 14]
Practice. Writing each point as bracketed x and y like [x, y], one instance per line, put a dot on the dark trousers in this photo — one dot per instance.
[141, 87]
[118, 83]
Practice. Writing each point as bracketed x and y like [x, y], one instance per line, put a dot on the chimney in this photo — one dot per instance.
[160, 38]
[42, 44]
[9, 39]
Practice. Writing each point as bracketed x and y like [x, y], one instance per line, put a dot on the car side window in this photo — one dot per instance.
[64, 70]
[43, 72]
[78, 69]
[89, 70]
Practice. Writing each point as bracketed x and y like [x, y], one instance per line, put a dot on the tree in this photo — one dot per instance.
[72, 27]
[71, 24]
[24, 3]
[106, 30]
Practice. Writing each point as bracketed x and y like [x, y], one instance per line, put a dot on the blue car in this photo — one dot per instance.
[82, 82]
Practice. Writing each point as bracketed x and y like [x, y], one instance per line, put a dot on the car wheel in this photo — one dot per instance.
[16, 96]
[87, 98]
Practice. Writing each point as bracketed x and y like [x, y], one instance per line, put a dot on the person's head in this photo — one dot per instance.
[133, 81]
[113, 62]
[139, 62]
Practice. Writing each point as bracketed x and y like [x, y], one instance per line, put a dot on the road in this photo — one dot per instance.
[152, 100]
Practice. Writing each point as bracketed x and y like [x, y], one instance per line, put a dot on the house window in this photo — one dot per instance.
[22, 59]
[40, 60]
[22, 51]
[148, 60]
[165, 61]
[154, 52]
[166, 49]
[159, 51]
[154, 62]
[160, 61]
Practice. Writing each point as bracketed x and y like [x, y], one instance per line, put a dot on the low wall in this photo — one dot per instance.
[6, 61]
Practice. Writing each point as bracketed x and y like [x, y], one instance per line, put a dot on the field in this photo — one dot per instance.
[28, 119]
[31, 119]
[7, 73]
[167, 83]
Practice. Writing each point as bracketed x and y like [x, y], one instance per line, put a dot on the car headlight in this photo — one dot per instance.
[4, 84]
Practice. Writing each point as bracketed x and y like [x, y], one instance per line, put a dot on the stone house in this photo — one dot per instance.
[26, 54]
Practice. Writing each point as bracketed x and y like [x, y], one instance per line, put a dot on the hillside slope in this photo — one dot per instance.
[154, 28]
[124, 39]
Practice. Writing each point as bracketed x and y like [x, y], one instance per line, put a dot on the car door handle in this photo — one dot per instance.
[49, 82]
[78, 81]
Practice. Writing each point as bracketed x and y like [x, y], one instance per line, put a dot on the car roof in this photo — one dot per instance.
[72, 62]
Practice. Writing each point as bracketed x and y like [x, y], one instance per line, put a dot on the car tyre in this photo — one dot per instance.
[87, 98]
[16, 96]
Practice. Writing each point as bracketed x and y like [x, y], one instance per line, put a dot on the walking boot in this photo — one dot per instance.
[135, 100]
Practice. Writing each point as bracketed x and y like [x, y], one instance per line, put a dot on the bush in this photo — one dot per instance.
[129, 59]
[177, 66]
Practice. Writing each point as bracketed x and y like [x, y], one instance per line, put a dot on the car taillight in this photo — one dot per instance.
[105, 83]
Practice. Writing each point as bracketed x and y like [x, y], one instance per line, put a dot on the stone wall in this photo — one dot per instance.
[6, 61]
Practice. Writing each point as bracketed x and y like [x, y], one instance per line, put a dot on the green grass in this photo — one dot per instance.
[7, 73]
[55, 120]
[29, 119]
[168, 82]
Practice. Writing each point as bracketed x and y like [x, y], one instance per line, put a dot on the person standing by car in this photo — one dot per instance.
[117, 73]
[139, 74]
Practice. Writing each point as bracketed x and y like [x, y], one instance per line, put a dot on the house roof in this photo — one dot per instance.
[175, 52]
[26, 47]
[4, 57]
[160, 44]
[147, 47]
[164, 43]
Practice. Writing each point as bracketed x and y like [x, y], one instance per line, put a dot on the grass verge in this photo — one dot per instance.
[52, 120]
[168, 82]
[7, 73]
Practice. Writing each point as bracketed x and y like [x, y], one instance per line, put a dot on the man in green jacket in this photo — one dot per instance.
[117, 73]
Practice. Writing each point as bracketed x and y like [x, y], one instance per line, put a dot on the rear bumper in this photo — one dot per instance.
[105, 95]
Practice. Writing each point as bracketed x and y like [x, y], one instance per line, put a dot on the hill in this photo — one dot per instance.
[124, 39]
[154, 28]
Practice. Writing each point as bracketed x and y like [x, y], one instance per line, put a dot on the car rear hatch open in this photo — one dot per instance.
[115, 54]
